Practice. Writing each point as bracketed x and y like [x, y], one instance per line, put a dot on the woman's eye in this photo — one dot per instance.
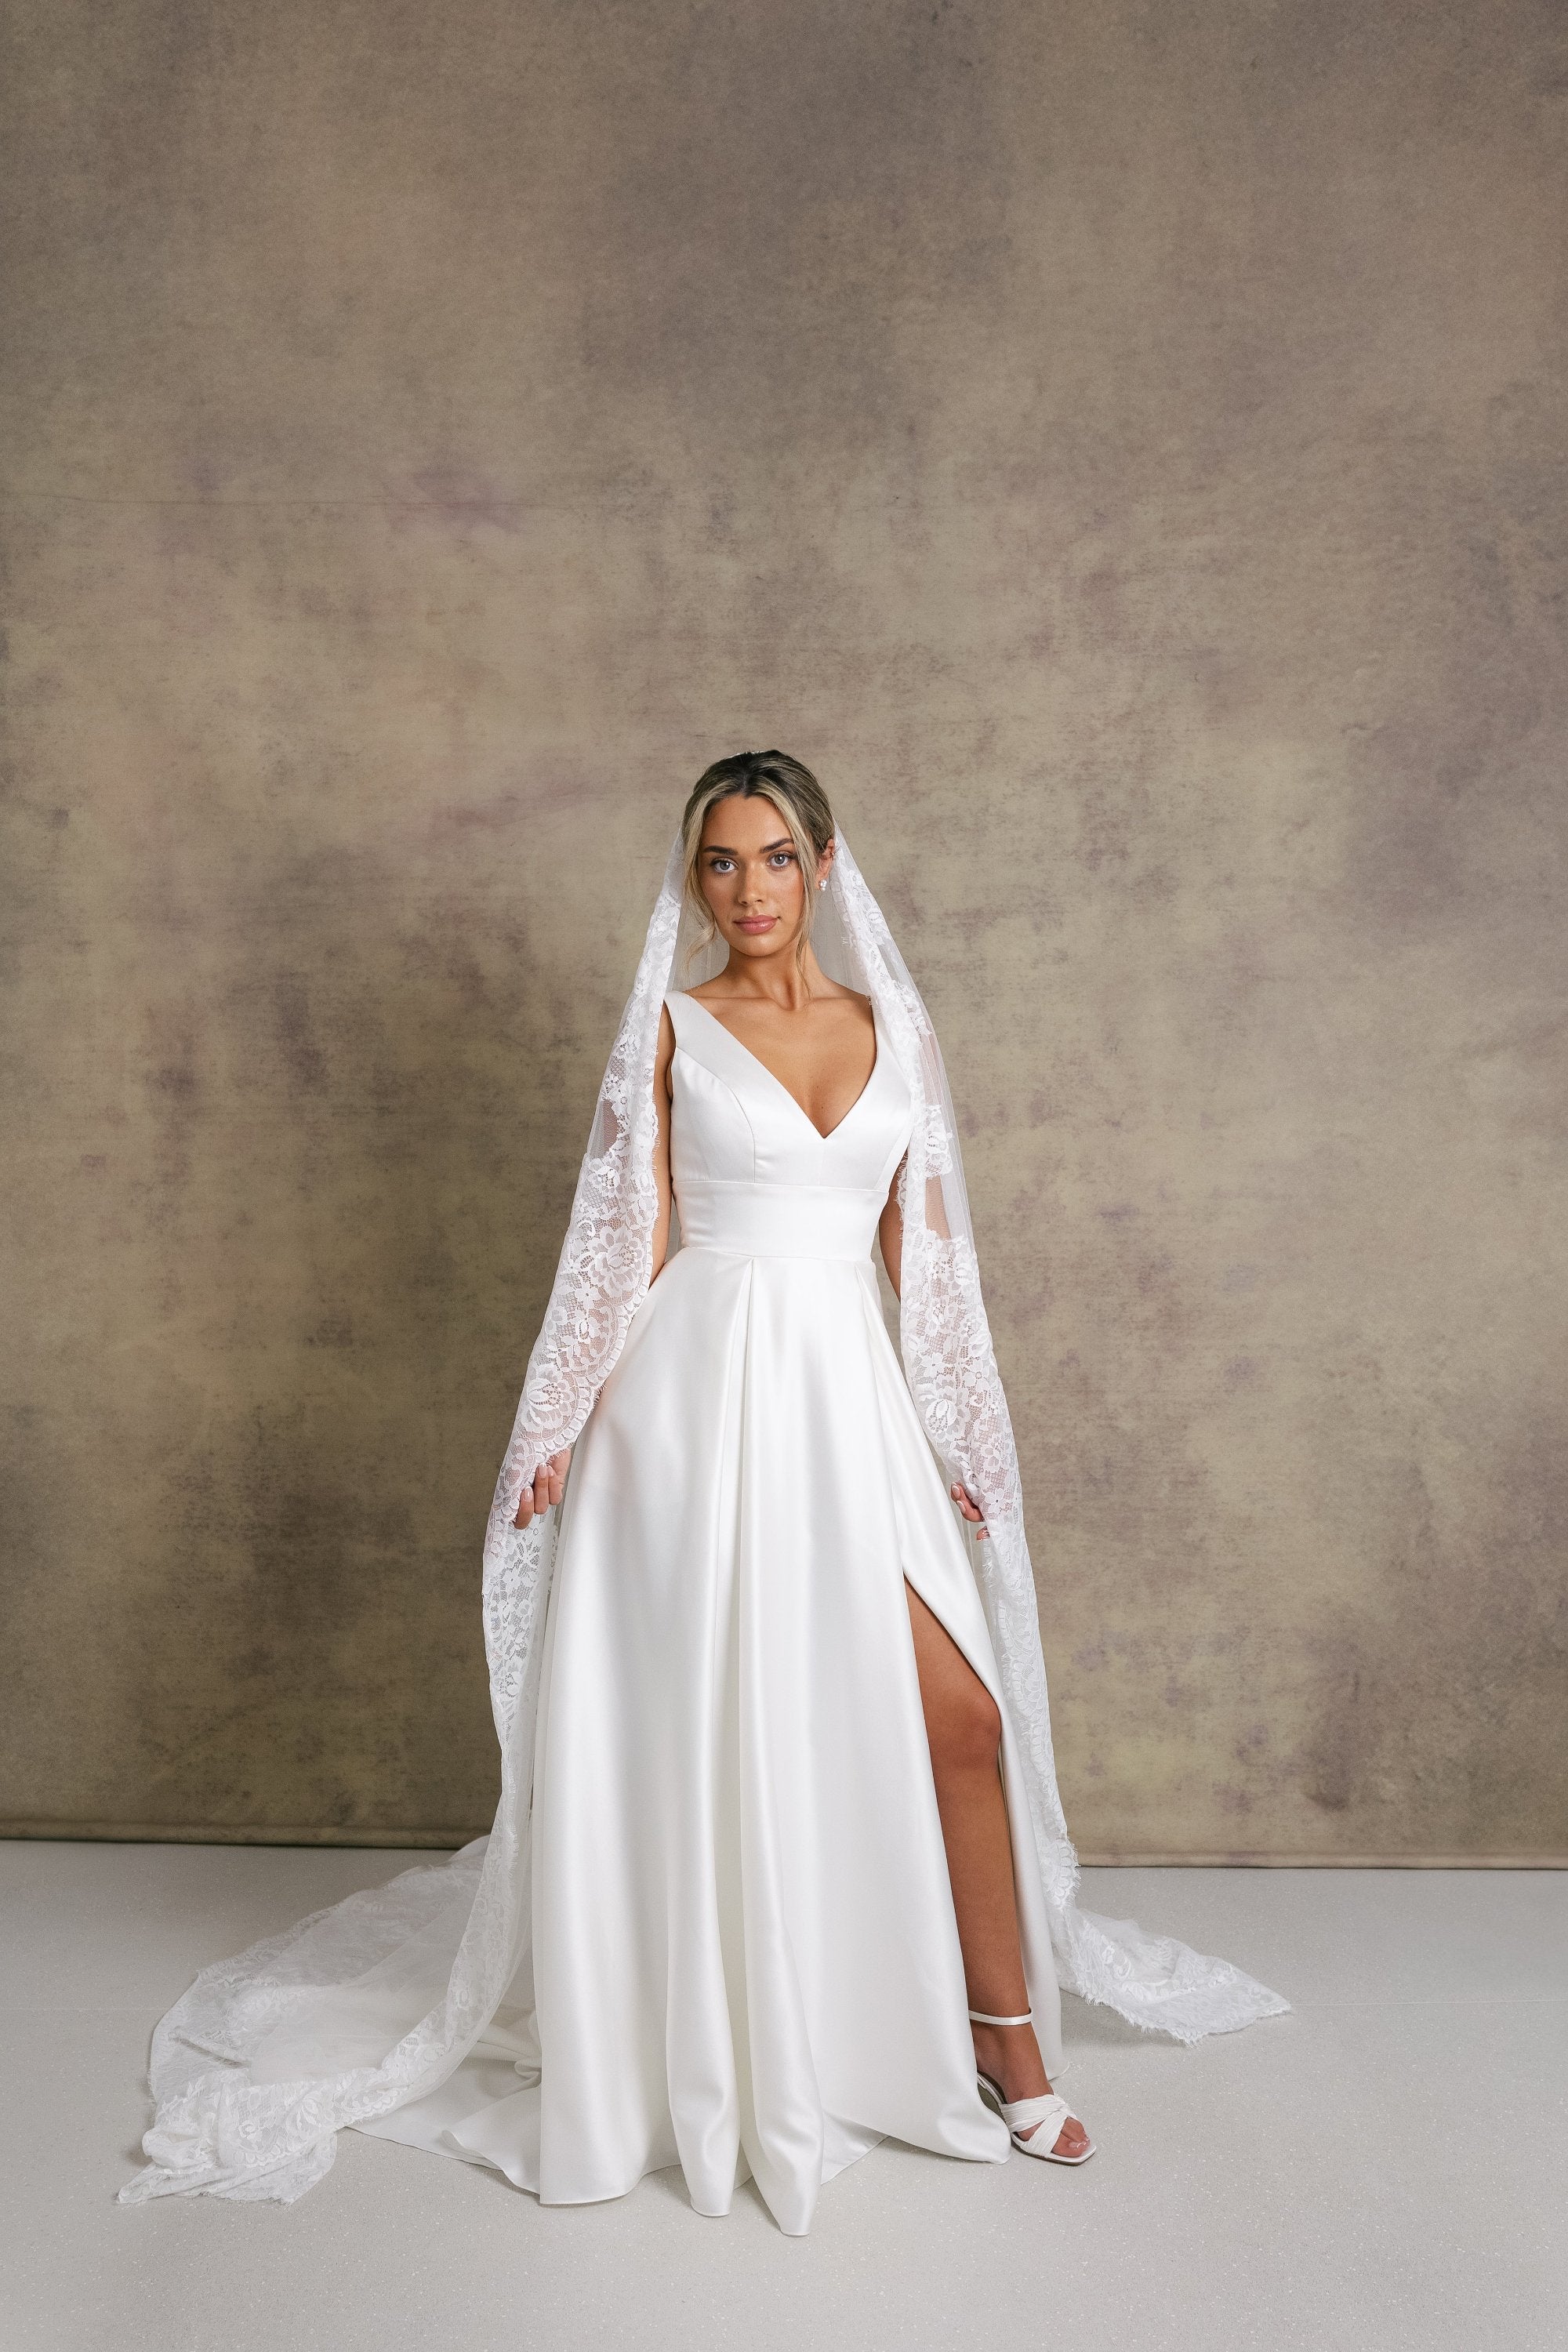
[782, 857]
[720, 864]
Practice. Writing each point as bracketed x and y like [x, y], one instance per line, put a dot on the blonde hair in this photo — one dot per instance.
[799, 800]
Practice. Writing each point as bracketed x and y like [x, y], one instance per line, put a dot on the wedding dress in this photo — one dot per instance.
[711, 1925]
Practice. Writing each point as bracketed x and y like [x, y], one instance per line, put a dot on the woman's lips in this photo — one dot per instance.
[756, 922]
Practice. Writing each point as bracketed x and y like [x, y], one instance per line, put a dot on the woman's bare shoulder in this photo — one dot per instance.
[848, 1004]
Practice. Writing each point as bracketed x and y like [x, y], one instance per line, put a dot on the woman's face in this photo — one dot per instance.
[751, 877]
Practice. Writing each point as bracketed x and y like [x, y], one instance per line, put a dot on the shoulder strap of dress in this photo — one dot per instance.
[680, 1005]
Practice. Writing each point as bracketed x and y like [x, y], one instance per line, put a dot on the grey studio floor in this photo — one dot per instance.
[1386, 2167]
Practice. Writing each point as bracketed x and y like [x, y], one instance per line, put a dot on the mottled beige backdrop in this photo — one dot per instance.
[1120, 445]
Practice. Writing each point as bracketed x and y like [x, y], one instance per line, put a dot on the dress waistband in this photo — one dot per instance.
[778, 1219]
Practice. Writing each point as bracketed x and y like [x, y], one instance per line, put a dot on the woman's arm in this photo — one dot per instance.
[662, 1099]
[549, 1479]
[890, 1235]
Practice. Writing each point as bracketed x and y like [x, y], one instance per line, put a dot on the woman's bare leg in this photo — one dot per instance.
[965, 1735]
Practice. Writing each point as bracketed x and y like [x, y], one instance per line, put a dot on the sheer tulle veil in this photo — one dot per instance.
[372, 2003]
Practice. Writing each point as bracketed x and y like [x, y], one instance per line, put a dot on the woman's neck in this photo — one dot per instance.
[785, 980]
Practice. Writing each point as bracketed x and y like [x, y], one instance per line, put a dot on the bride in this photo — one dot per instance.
[779, 1867]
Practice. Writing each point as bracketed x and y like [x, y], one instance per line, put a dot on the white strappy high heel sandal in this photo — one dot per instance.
[1048, 2114]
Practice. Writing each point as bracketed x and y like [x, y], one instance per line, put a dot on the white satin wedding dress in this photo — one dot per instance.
[745, 1951]
[711, 1924]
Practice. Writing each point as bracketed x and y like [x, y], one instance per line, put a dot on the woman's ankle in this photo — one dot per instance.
[1011, 2055]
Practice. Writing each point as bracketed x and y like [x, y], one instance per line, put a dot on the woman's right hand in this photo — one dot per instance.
[549, 1485]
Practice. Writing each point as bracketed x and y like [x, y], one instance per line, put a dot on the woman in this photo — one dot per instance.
[779, 1866]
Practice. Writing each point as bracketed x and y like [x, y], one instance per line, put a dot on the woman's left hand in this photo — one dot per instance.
[971, 1511]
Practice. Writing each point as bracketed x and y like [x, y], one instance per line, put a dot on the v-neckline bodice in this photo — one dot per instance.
[775, 1080]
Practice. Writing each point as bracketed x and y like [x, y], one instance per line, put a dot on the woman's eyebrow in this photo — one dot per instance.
[717, 848]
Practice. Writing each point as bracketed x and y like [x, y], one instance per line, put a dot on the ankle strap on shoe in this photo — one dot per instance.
[978, 2017]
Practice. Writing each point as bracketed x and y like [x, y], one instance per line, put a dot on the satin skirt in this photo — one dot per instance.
[745, 1958]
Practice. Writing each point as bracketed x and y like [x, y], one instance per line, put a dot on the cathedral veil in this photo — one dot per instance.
[374, 2002]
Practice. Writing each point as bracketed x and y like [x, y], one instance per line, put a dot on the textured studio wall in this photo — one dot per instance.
[1121, 445]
